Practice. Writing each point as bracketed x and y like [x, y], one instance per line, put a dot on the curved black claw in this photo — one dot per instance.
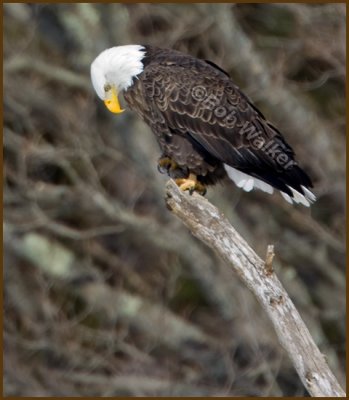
[162, 170]
[164, 165]
[198, 189]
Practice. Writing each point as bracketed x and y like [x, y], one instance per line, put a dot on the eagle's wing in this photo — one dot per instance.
[200, 100]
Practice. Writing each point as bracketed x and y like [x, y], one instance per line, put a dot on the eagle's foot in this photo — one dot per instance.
[165, 165]
[192, 184]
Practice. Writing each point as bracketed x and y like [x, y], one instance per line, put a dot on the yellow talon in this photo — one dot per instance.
[191, 183]
[167, 163]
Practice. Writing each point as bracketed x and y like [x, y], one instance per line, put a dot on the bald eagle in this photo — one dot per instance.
[206, 127]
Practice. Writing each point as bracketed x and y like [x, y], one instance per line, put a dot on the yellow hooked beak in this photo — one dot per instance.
[112, 102]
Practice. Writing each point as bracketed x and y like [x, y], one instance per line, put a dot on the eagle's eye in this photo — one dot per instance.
[107, 87]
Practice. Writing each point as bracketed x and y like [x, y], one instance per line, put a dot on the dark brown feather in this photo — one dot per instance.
[202, 120]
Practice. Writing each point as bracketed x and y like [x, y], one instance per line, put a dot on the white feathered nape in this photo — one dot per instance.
[247, 183]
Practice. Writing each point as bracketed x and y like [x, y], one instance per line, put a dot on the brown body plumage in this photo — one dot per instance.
[193, 129]
[207, 127]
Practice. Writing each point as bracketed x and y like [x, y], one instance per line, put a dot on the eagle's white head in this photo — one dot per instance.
[114, 70]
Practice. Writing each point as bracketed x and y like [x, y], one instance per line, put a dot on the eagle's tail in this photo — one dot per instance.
[301, 195]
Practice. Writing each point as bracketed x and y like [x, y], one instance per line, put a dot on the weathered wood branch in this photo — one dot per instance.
[209, 225]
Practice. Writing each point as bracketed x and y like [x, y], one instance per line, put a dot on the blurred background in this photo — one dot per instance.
[106, 293]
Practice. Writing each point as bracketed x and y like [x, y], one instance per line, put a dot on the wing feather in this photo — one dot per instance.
[200, 100]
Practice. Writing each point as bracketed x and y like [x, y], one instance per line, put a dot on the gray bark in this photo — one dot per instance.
[209, 225]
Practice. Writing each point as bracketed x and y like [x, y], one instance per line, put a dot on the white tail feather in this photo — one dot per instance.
[247, 183]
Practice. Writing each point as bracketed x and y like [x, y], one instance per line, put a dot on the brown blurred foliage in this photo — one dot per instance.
[106, 293]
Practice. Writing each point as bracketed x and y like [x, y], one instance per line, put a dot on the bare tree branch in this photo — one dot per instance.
[209, 225]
